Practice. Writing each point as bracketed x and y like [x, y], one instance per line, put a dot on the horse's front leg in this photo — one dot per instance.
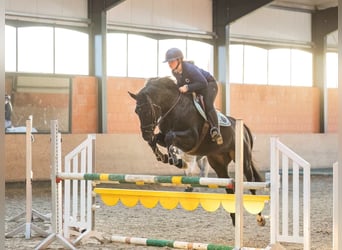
[159, 155]
[175, 159]
[185, 140]
[171, 157]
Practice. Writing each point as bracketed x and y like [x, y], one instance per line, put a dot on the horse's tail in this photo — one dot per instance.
[250, 136]
[256, 174]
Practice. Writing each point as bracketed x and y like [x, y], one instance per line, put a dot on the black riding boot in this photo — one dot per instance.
[215, 128]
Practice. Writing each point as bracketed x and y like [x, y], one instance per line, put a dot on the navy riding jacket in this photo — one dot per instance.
[196, 78]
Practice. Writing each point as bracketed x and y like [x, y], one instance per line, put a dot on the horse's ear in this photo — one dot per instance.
[132, 95]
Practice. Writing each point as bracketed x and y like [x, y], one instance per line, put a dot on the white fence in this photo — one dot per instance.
[284, 160]
[74, 209]
[78, 209]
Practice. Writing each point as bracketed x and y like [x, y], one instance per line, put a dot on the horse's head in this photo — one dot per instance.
[150, 101]
[148, 114]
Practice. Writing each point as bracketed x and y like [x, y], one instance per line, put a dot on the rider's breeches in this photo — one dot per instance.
[209, 97]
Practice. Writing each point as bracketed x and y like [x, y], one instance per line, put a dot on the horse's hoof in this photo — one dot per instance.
[165, 158]
[184, 165]
[180, 164]
[261, 221]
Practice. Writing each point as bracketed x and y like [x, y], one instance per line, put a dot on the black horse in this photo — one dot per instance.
[160, 104]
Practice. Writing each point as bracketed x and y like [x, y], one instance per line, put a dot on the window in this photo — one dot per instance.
[285, 66]
[46, 98]
[117, 54]
[46, 50]
[139, 56]
[279, 67]
[142, 56]
[64, 51]
[201, 53]
[236, 63]
[71, 52]
[301, 68]
[11, 49]
[35, 49]
[255, 65]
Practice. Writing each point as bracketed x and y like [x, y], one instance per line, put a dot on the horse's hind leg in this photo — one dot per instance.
[220, 164]
[202, 163]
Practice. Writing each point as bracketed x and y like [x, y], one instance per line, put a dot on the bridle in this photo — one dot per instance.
[150, 127]
[156, 119]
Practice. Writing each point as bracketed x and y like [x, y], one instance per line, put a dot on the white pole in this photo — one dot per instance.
[28, 226]
[337, 233]
[53, 165]
[28, 178]
[274, 166]
[238, 184]
[335, 206]
[56, 187]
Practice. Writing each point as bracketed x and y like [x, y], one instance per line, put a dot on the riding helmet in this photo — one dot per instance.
[173, 54]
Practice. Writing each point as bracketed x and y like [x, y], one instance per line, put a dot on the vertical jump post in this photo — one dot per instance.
[56, 190]
[28, 178]
[239, 184]
[28, 226]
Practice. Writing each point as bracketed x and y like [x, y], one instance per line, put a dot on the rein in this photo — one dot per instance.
[172, 107]
[155, 120]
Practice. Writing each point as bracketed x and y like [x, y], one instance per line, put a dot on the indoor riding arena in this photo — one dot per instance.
[94, 158]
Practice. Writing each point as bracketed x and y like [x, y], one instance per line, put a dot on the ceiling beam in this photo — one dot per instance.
[240, 8]
[112, 3]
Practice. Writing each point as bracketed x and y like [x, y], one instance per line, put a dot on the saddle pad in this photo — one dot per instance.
[222, 119]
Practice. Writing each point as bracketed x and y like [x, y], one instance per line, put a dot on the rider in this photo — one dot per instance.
[190, 78]
[8, 111]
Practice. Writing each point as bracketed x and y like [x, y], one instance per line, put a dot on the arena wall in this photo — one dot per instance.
[265, 108]
[128, 153]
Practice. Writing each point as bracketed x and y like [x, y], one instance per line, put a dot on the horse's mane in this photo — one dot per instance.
[162, 90]
[165, 83]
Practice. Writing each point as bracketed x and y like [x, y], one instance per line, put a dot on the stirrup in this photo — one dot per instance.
[216, 136]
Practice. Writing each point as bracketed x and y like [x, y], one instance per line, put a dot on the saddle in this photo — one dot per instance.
[199, 104]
